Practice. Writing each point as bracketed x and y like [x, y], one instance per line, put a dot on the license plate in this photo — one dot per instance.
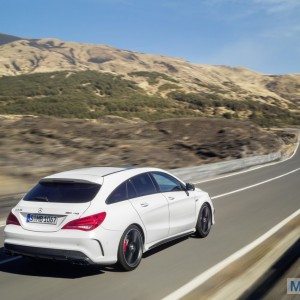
[42, 219]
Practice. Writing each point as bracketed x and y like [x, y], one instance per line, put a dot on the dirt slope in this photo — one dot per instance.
[32, 147]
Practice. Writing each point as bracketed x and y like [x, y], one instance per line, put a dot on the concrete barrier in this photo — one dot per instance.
[239, 275]
[192, 174]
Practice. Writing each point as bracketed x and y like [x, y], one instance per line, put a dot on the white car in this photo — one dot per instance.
[106, 215]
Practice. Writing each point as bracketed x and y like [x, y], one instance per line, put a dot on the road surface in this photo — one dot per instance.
[241, 217]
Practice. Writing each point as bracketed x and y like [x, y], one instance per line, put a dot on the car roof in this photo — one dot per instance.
[98, 171]
[96, 174]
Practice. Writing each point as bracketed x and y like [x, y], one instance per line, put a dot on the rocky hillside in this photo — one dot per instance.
[32, 147]
[193, 89]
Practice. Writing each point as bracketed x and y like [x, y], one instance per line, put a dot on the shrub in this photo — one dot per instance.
[153, 77]
[90, 94]
[227, 115]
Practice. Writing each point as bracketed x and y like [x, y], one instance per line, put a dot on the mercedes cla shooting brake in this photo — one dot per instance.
[106, 215]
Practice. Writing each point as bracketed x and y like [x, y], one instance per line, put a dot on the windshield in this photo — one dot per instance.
[63, 192]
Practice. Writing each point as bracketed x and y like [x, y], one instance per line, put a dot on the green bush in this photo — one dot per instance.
[262, 113]
[153, 77]
[227, 115]
[168, 86]
[90, 94]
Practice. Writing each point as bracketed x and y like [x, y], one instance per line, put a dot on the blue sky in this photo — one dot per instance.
[263, 35]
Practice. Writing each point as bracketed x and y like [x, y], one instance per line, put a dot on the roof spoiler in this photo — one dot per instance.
[67, 180]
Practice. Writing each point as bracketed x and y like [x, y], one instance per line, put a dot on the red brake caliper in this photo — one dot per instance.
[125, 245]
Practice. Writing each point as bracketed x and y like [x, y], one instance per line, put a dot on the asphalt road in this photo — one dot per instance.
[241, 218]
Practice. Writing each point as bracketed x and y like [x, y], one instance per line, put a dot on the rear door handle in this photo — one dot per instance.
[144, 204]
[171, 198]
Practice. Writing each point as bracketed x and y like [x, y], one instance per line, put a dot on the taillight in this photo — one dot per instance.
[86, 223]
[12, 219]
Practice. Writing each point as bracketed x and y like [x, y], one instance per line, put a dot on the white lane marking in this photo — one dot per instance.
[2, 225]
[256, 184]
[9, 259]
[253, 168]
[200, 279]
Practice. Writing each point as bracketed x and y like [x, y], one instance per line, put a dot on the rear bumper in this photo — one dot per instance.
[56, 254]
[95, 247]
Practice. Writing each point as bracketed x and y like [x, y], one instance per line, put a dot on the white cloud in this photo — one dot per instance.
[259, 54]
[270, 6]
[245, 52]
[278, 6]
[291, 31]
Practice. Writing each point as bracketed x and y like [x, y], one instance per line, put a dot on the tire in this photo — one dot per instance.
[130, 249]
[204, 222]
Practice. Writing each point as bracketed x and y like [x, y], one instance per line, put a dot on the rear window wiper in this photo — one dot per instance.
[40, 198]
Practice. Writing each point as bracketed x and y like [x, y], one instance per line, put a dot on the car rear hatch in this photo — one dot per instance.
[53, 203]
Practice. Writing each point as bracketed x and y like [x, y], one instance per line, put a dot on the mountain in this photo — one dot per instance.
[5, 38]
[52, 68]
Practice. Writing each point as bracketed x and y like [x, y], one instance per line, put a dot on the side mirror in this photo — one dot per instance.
[189, 187]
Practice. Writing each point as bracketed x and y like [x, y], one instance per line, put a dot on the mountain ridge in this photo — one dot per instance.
[156, 75]
[7, 38]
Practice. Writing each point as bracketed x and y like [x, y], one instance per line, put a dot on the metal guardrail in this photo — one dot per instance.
[211, 170]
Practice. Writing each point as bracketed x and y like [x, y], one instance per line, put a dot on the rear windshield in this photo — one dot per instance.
[63, 192]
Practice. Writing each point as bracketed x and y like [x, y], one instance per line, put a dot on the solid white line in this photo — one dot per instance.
[9, 259]
[252, 168]
[200, 279]
[256, 184]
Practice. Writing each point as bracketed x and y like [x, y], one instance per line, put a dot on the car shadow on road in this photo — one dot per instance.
[61, 269]
[164, 246]
[45, 268]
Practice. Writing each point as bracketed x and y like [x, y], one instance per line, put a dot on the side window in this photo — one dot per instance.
[166, 182]
[143, 185]
[119, 194]
[131, 190]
